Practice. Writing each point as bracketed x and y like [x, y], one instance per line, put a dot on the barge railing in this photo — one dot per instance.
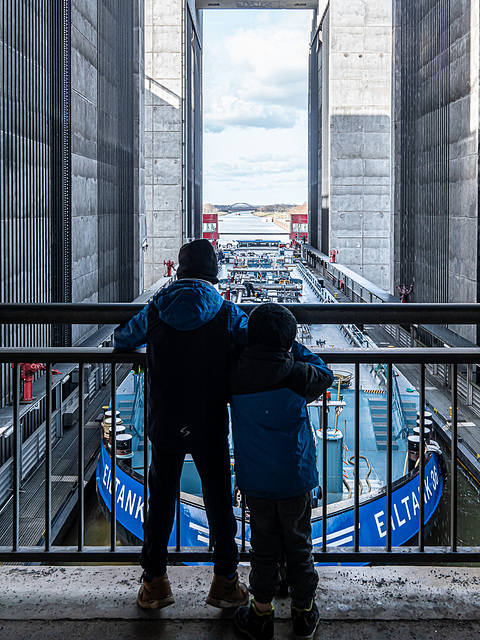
[305, 314]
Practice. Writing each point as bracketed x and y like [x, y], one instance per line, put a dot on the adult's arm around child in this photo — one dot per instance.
[237, 324]
[132, 334]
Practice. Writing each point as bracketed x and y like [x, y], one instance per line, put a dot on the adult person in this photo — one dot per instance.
[191, 333]
[275, 466]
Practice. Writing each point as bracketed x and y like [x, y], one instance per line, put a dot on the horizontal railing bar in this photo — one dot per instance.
[71, 354]
[329, 313]
[383, 313]
[400, 355]
[372, 555]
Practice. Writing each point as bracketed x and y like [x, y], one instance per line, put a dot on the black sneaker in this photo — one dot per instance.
[305, 621]
[258, 626]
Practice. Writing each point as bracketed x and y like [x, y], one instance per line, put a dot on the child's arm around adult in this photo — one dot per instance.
[314, 377]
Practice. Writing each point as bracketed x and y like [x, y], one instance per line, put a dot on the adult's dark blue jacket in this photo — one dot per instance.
[273, 439]
[191, 335]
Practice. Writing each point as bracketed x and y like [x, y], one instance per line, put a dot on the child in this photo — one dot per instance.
[271, 383]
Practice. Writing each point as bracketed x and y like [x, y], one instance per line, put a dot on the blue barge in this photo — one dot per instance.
[193, 523]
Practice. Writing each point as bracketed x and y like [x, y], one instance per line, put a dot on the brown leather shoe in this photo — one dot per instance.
[227, 594]
[156, 593]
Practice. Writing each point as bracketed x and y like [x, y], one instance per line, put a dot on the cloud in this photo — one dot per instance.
[257, 76]
[271, 167]
[239, 113]
[255, 106]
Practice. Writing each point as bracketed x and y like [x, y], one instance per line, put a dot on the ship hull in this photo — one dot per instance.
[194, 532]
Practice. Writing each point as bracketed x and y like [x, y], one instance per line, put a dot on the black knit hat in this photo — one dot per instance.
[197, 259]
[272, 325]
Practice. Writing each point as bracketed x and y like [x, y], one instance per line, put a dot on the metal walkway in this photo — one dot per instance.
[64, 481]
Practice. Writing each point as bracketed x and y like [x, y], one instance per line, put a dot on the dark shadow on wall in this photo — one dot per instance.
[436, 182]
[355, 197]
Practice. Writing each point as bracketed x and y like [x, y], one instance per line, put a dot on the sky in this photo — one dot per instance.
[255, 101]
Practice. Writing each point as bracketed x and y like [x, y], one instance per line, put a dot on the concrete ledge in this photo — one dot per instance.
[100, 601]
[225, 630]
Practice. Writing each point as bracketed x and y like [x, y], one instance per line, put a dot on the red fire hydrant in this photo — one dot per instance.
[170, 265]
[333, 253]
[27, 374]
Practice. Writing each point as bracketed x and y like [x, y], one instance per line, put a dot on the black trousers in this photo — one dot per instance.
[282, 528]
[213, 466]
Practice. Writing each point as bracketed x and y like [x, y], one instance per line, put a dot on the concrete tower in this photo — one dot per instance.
[173, 130]
[350, 133]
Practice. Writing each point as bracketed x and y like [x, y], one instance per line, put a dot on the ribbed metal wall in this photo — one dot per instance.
[193, 125]
[313, 119]
[32, 170]
[115, 151]
[61, 221]
[424, 148]
[324, 139]
[319, 136]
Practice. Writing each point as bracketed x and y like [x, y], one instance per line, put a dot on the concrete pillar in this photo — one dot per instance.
[164, 32]
[355, 137]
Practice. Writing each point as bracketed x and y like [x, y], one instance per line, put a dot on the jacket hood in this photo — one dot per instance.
[260, 366]
[188, 304]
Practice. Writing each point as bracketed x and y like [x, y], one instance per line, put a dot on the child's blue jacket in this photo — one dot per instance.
[273, 438]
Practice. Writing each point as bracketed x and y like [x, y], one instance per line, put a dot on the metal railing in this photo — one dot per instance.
[312, 314]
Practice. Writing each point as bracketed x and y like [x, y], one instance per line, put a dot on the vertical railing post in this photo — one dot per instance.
[356, 474]
[145, 444]
[469, 384]
[421, 525]
[389, 453]
[453, 472]
[177, 517]
[324, 471]
[244, 516]
[81, 455]
[16, 457]
[48, 458]
[113, 453]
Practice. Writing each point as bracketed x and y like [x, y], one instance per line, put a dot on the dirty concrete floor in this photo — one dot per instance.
[357, 602]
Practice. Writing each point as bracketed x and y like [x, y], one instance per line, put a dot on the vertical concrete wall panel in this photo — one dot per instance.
[107, 167]
[355, 146]
[163, 132]
[84, 148]
[173, 141]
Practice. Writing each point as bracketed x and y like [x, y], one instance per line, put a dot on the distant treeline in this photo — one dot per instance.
[268, 208]
[272, 208]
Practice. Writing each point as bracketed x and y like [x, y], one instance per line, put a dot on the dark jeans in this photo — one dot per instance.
[213, 466]
[282, 528]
